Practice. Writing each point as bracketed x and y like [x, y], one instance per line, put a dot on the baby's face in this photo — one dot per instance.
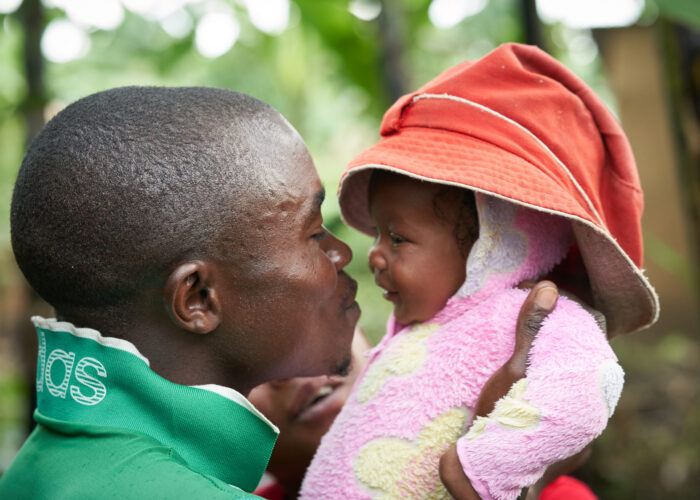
[415, 257]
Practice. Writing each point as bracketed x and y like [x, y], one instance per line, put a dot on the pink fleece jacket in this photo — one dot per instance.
[417, 395]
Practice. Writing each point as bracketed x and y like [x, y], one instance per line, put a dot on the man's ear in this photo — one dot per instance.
[191, 298]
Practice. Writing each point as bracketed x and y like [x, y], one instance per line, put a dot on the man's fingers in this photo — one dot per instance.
[539, 303]
[535, 321]
[527, 284]
[546, 295]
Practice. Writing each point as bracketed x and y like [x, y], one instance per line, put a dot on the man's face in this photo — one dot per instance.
[288, 307]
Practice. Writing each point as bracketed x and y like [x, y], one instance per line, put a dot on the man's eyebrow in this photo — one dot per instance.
[318, 201]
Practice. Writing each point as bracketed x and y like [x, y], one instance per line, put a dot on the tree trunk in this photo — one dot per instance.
[531, 21]
[390, 35]
[680, 49]
[31, 17]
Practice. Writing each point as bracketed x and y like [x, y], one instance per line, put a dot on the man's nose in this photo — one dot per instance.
[377, 261]
[339, 253]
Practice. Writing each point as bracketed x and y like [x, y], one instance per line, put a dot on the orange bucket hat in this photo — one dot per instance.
[520, 126]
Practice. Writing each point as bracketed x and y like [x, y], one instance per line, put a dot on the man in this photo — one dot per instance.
[178, 234]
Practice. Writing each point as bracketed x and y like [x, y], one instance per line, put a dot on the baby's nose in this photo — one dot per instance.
[377, 261]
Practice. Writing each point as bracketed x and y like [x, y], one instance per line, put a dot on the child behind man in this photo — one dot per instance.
[544, 158]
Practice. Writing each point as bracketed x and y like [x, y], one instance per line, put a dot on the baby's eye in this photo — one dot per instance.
[396, 239]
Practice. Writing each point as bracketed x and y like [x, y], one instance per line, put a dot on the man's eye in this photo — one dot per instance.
[320, 234]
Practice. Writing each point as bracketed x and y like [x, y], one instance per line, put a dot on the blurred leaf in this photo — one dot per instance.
[352, 40]
[668, 258]
[686, 12]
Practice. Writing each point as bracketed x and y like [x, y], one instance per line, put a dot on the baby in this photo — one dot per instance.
[540, 158]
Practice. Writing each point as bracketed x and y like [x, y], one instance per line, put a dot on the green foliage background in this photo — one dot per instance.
[324, 73]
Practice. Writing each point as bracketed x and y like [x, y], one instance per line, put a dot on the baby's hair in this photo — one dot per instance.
[122, 185]
[464, 219]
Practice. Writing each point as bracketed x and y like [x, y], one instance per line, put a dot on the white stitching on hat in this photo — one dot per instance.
[513, 122]
[639, 273]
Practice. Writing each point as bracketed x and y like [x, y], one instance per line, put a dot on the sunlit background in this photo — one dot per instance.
[332, 67]
[216, 26]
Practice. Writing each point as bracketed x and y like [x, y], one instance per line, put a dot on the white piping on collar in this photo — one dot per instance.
[638, 272]
[54, 325]
[236, 397]
[524, 129]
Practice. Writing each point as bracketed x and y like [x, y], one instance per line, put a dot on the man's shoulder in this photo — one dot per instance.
[158, 472]
[108, 465]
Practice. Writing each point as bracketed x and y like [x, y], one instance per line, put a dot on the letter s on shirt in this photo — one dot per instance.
[99, 391]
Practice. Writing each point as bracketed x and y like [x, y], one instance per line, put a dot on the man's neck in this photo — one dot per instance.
[175, 354]
[100, 374]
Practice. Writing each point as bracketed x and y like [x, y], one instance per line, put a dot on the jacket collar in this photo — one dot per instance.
[85, 378]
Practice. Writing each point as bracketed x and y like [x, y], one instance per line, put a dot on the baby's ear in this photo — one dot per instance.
[191, 299]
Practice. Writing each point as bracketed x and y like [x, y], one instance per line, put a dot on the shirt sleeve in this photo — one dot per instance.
[571, 388]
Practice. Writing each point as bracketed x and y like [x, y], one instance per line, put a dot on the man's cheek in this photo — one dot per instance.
[323, 282]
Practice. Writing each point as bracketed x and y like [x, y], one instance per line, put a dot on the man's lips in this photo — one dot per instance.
[349, 296]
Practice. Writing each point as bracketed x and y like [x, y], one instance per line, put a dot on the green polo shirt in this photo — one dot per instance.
[109, 427]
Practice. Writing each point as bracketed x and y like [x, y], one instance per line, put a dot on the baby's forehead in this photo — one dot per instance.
[388, 184]
[397, 182]
[421, 201]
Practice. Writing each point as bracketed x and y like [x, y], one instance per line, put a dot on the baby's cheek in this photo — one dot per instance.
[434, 299]
[421, 307]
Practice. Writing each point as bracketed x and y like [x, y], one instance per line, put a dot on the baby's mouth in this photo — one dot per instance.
[389, 294]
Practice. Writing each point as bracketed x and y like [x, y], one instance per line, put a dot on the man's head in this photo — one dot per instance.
[186, 211]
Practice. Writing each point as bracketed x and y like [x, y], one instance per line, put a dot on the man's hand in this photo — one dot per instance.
[557, 469]
[453, 477]
[539, 303]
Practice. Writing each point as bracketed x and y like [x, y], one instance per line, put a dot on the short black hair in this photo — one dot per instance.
[452, 204]
[465, 218]
[124, 184]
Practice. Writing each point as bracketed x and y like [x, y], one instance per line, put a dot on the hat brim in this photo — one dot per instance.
[619, 289]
